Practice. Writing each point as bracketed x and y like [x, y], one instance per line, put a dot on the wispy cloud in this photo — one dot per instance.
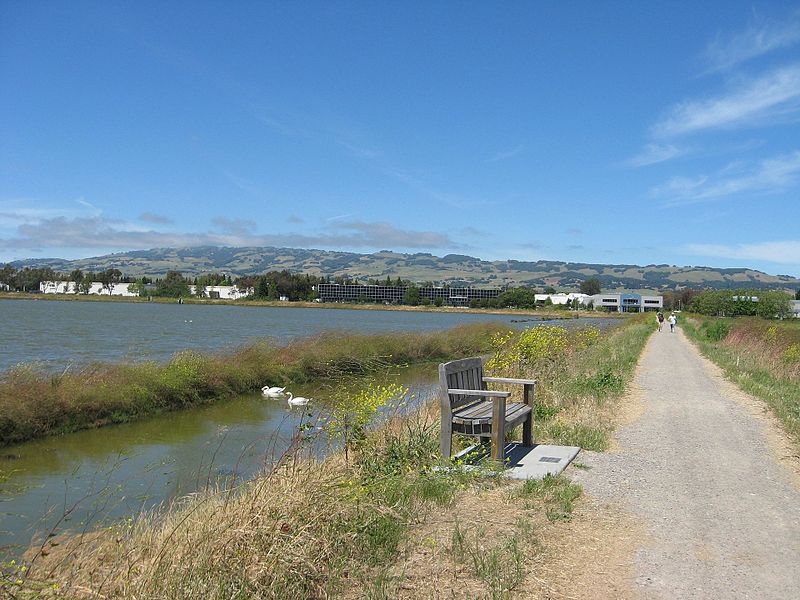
[784, 252]
[234, 226]
[385, 235]
[19, 211]
[765, 100]
[103, 232]
[653, 154]
[156, 219]
[768, 176]
[506, 154]
[761, 37]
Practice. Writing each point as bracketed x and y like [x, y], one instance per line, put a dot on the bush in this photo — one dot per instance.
[716, 331]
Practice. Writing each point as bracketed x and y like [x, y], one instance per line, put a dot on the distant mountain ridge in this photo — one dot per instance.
[452, 269]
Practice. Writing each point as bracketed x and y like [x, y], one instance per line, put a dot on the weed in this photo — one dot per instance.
[500, 566]
[578, 434]
[556, 493]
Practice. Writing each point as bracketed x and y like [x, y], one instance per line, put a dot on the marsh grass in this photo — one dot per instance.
[304, 529]
[762, 357]
[34, 403]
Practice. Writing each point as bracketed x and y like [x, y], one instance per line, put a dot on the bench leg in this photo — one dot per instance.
[498, 428]
[527, 426]
[446, 437]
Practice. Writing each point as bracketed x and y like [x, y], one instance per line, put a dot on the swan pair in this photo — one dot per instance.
[277, 392]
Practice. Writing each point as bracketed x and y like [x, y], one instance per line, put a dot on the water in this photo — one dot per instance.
[58, 334]
[90, 477]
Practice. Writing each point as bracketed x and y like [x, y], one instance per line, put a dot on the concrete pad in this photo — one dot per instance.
[535, 462]
[529, 462]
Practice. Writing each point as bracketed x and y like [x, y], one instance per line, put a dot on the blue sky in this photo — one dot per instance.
[628, 132]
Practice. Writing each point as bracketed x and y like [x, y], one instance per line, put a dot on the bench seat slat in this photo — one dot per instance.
[481, 413]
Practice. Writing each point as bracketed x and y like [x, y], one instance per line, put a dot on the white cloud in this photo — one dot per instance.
[764, 100]
[655, 153]
[784, 252]
[758, 39]
[102, 232]
[768, 176]
[149, 217]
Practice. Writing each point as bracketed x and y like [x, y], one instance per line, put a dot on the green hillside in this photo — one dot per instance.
[453, 269]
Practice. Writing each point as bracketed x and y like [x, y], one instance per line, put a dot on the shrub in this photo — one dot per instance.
[716, 331]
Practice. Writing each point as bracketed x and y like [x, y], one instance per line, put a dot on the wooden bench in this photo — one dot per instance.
[469, 408]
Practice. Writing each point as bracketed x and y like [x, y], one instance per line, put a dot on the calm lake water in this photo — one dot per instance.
[57, 334]
[88, 478]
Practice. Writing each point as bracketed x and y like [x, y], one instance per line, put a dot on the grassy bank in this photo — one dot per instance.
[34, 403]
[762, 357]
[581, 374]
[360, 528]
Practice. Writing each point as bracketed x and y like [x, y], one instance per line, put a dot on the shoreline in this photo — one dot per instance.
[36, 404]
[546, 314]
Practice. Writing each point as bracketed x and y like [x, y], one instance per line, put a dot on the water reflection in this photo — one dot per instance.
[115, 472]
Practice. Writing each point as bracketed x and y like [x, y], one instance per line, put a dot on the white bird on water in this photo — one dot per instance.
[272, 392]
[299, 401]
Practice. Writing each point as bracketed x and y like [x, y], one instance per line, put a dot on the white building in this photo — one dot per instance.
[626, 302]
[95, 288]
[796, 309]
[562, 299]
[222, 292]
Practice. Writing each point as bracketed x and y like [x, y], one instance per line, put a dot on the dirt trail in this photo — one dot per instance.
[708, 478]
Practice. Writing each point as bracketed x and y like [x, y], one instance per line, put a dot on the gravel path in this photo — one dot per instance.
[699, 469]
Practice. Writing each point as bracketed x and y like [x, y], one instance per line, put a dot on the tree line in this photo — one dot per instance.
[301, 287]
[743, 302]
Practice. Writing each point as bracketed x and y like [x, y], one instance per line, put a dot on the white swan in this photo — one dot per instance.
[299, 401]
[272, 392]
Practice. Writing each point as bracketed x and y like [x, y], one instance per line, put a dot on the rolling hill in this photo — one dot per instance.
[453, 269]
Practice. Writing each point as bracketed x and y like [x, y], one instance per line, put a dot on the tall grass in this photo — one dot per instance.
[34, 403]
[579, 382]
[302, 530]
[762, 357]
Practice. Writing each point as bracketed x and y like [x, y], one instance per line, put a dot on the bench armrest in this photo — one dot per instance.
[507, 380]
[482, 393]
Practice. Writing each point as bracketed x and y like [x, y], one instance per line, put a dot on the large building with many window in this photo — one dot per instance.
[625, 302]
[451, 296]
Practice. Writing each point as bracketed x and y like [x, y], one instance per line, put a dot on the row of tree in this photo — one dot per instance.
[297, 286]
[743, 302]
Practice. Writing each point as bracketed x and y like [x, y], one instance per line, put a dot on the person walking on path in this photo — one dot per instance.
[672, 321]
[660, 320]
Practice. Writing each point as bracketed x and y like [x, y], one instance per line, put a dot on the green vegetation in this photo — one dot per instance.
[743, 302]
[34, 403]
[591, 286]
[556, 493]
[761, 356]
[580, 373]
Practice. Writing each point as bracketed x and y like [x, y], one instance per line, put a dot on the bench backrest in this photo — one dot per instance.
[464, 374]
